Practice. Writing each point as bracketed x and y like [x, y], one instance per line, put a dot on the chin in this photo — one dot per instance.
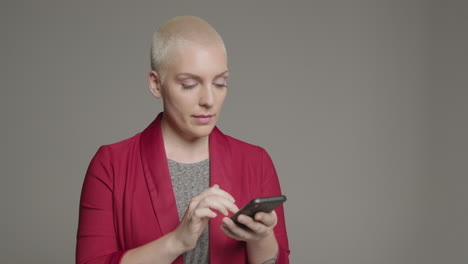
[202, 131]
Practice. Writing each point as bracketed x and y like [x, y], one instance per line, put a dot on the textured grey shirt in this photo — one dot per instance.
[188, 180]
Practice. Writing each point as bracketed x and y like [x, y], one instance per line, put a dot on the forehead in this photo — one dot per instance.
[196, 59]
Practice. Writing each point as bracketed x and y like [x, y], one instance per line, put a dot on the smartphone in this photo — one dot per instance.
[265, 204]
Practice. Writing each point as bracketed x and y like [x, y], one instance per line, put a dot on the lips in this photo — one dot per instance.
[203, 119]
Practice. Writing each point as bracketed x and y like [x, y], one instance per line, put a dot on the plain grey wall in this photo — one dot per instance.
[361, 104]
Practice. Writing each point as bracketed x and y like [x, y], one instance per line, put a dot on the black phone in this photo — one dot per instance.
[265, 204]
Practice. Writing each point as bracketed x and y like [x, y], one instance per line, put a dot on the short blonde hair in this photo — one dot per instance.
[178, 31]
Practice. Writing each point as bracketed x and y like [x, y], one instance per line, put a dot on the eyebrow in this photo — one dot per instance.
[191, 75]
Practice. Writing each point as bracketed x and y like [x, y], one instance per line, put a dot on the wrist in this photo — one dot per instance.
[266, 241]
[264, 250]
[176, 243]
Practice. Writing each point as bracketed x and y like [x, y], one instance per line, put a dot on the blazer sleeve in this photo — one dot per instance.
[96, 237]
[271, 187]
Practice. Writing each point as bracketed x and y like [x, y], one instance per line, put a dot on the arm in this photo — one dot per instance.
[97, 241]
[265, 248]
[185, 236]
[262, 247]
[271, 187]
[163, 250]
[96, 238]
[266, 241]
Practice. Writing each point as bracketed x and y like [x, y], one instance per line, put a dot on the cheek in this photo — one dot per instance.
[177, 101]
[222, 97]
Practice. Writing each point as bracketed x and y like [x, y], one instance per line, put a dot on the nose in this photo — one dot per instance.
[207, 96]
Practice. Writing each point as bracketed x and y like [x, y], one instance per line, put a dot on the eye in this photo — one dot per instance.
[220, 85]
[187, 86]
[220, 82]
[189, 83]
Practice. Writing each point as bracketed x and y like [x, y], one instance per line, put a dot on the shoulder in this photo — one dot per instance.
[245, 149]
[118, 149]
[242, 144]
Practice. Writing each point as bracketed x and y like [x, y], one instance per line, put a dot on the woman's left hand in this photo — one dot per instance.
[258, 228]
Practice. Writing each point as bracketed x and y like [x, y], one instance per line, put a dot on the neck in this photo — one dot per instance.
[183, 149]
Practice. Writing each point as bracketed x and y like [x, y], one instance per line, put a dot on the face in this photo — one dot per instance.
[193, 90]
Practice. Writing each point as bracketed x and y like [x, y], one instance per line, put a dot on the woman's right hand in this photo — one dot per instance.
[198, 213]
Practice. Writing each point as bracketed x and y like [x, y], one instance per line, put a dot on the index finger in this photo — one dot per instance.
[216, 191]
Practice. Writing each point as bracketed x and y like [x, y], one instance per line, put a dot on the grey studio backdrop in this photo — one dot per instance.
[361, 104]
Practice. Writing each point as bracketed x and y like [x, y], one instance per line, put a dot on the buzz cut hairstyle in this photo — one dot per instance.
[178, 31]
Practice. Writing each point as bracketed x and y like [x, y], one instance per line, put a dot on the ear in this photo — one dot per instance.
[154, 84]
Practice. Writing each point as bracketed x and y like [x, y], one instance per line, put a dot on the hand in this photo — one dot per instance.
[199, 211]
[258, 228]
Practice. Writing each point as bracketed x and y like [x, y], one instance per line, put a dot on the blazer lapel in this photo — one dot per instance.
[220, 173]
[220, 160]
[157, 176]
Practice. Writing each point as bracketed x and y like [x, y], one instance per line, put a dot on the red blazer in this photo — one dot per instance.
[127, 198]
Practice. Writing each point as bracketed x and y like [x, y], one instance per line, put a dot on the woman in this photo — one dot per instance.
[148, 199]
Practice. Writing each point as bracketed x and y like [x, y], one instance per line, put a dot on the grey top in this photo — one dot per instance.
[188, 180]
